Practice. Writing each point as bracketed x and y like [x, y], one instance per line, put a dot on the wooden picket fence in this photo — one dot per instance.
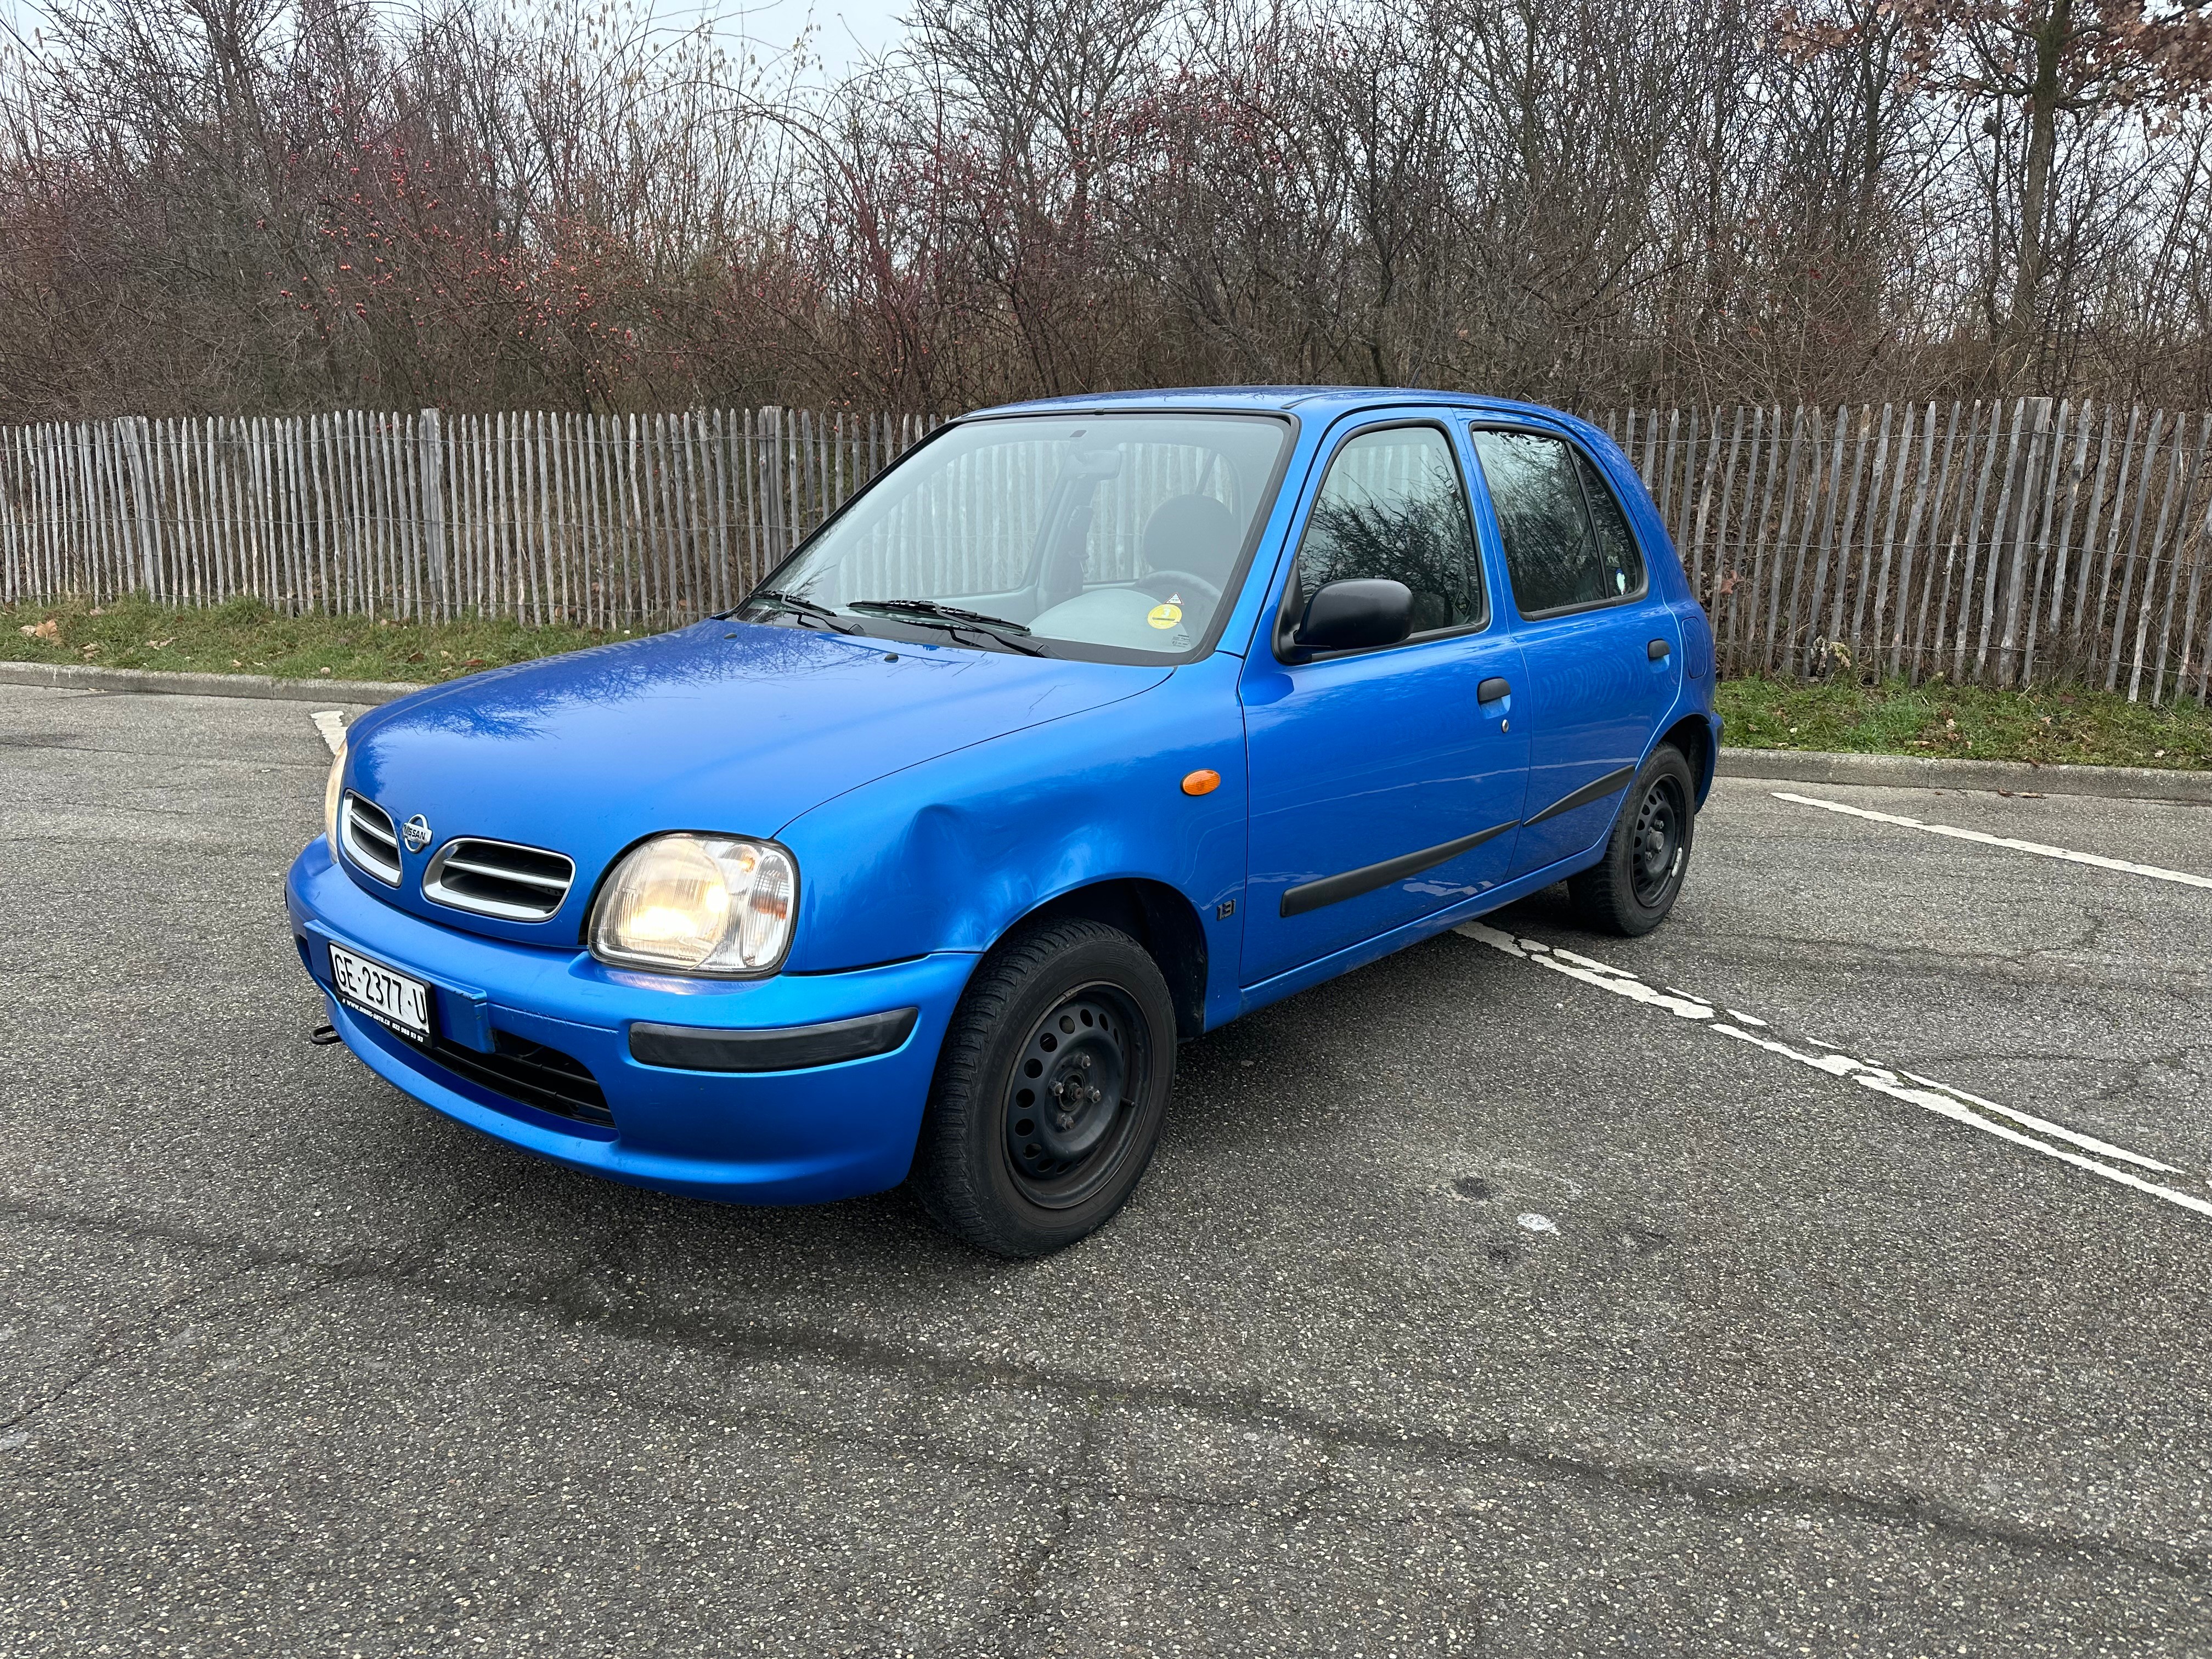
[2001, 542]
[1997, 543]
[605, 520]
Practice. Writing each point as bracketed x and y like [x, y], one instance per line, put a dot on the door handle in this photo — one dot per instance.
[1657, 650]
[1492, 690]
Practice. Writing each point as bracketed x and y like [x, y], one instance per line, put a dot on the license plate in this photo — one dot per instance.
[391, 998]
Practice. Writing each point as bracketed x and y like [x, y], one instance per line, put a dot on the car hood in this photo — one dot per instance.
[733, 726]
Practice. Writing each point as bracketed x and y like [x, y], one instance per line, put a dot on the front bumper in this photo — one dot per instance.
[757, 1137]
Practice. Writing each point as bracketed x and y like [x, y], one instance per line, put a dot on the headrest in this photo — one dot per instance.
[1196, 533]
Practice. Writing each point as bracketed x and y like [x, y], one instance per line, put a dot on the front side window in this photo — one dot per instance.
[1109, 536]
[1567, 543]
[1391, 506]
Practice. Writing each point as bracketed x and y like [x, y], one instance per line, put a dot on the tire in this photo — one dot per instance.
[1632, 888]
[1066, 1006]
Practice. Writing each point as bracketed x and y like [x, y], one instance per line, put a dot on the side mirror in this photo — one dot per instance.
[1355, 615]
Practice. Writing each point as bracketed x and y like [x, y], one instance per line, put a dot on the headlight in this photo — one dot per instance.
[698, 904]
[330, 793]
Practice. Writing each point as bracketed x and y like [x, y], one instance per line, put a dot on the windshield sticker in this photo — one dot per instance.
[1164, 616]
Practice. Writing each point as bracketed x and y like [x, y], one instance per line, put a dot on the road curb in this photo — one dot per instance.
[2012, 777]
[74, 676]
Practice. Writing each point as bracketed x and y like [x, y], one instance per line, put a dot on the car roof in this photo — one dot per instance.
[1328, 401]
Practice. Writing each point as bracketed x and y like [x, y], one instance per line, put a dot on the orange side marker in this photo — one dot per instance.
[1201, 783]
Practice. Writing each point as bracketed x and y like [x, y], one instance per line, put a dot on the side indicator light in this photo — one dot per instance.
[1201, 783]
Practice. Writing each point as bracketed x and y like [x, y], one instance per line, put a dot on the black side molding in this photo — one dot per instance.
[778, 1049]
[1334, 890]
[1611, 783]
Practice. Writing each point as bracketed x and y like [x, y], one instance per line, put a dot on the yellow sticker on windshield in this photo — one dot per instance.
[1164, 616]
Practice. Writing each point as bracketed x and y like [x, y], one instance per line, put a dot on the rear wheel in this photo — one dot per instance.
[1050, 1089]
[1633, 887]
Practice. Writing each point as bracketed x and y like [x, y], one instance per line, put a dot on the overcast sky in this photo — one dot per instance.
[847, 30]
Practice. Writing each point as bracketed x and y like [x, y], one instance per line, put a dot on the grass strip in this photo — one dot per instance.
[245, 637]
[2047, 725]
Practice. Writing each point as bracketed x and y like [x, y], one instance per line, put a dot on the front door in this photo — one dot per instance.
[1385, 784]
[1602, 656]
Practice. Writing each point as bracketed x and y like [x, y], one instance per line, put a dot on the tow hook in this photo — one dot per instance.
[323, 1035]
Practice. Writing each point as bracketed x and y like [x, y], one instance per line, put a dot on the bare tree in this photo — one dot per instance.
[2034, 65]
[257, 205]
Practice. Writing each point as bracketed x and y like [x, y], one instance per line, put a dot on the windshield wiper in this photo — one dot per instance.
[796, 604]
[1012, 635]
[931, 608]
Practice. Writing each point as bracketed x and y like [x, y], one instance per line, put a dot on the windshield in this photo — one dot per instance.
[1110, 536]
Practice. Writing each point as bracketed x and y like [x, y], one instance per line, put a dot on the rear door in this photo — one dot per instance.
[1602, 654]
[1385, 784]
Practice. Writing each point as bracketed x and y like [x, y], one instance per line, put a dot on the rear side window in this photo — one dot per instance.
[1567, 541]
[1392, 506]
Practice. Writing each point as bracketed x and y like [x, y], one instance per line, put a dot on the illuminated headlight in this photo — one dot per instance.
[698, 904]
[332, 793]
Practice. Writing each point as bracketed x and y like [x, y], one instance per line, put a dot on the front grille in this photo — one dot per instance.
[370, 840]
[531, 1073]
[497, 878]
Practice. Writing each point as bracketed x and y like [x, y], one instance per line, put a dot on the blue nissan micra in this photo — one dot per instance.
[1090, 725]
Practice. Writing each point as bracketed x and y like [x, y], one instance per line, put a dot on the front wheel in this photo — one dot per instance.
[1632, 888]
[1050, 1089]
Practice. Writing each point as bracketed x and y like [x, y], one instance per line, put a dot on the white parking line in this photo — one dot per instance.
[2006, 1123]
[1987, 839]
[331, 724]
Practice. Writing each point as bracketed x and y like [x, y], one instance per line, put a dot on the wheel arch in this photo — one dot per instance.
[1693, 735]
[1158, 917]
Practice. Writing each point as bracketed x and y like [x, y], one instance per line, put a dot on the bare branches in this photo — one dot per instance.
[257, 205]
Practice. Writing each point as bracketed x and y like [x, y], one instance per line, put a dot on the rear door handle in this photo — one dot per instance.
[1657, 649]
[1492, 690]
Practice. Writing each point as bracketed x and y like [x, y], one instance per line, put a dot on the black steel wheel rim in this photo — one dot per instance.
[1656, 857]
[1076, 1096]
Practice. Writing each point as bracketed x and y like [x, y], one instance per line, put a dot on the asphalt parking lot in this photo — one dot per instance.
[1484, 1301]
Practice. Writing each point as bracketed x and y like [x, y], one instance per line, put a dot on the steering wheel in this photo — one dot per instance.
[1161, 583]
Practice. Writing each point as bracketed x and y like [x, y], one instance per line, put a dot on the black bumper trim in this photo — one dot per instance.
[1611, 784]
[1335, 890]
[778, 1049]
